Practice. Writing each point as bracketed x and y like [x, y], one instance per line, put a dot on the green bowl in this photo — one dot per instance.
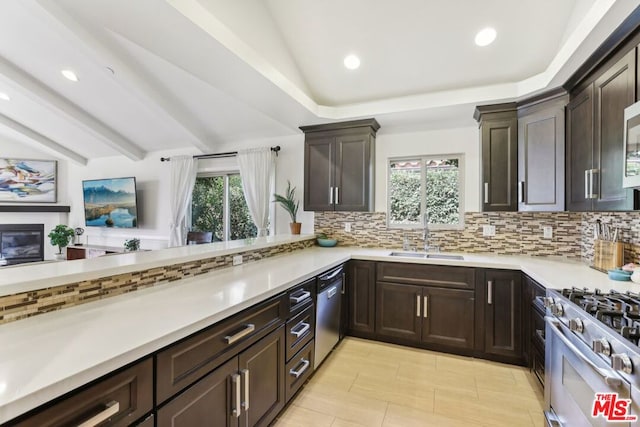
[327, 243]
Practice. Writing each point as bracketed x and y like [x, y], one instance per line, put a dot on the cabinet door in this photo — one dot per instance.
[126, 395]
[541, 159]
[399, 311]
[353, 172]
[319, 158]
[262, 366]
[614, 91]
[210, 401]
[448, 317]
[503, 313]
[579, 152]
[499, 164]
[361, 296]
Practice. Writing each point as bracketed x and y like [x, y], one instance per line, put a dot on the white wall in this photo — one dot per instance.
[14, 149]
[442, 141]
[152, 178]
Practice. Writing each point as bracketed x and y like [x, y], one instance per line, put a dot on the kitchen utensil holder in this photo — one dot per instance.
[607, 255]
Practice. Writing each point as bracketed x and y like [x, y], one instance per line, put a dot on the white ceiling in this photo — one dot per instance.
[196, 73]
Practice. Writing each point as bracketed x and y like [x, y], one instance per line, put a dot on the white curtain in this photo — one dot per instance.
[183, 178]
[257, 169]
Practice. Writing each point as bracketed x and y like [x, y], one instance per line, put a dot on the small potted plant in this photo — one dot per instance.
[132, 245]
[61, 236]
[290, 204]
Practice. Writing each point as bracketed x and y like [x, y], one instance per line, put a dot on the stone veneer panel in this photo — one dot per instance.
[517, 233]
[27, 304]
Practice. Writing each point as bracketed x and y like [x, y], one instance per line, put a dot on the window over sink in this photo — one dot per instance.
[430, 184]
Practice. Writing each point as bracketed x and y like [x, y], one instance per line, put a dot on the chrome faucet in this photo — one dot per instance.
[425, 234]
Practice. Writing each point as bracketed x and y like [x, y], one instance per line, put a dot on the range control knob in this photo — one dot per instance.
[576, 325]
[547, 301]
[622, 362]
[602, 346]
[557, 310]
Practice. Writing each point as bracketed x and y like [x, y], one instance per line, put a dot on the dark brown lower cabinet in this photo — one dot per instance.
[448, 317]
[246, 391]
[361, 294]
[120, 399]
[424, 314]
[501, 306]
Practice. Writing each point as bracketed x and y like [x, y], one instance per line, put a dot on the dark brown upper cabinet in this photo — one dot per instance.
[541, 154]
[499, 149]
[595, 120]
[339, 160]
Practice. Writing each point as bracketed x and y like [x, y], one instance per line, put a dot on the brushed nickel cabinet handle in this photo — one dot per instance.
[587, 193]
[337, 199]
[426, 307]
[235, 394]
[250, 327]
[490, 292]
[520, 191]
[344, 283]
[303, 330]
[303, 367]
[486, 192]
[109, 411]
[297, 299]
[417, 305]
[594, 195]
[330, 195]
[244, 374]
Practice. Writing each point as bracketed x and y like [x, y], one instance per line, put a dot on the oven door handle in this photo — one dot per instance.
[608, 376]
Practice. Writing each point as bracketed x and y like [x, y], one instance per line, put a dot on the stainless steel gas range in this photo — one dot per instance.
[592, 358]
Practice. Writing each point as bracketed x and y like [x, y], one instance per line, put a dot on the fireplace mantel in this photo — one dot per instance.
[35, 208]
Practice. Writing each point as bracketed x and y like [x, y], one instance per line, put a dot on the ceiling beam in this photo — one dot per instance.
[40, 139]
[44, 95]
[142, 86]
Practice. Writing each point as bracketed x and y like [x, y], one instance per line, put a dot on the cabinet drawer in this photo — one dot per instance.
[126, 395]
[300, 330]
[185, 362]
[300, 296]
[299, 369]
[537, 331]
[432, 275]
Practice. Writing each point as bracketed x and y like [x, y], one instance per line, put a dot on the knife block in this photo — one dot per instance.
[607, 255]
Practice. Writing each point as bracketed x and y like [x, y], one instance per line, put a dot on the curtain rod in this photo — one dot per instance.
[219, 155]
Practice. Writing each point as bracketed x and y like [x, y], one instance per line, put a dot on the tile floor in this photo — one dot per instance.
[367, 383]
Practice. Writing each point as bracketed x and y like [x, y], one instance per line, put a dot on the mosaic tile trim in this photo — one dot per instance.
[517, 233]
[28, 304]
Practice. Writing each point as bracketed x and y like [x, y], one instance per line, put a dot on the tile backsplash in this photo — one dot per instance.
[28, 304]
[517, 233]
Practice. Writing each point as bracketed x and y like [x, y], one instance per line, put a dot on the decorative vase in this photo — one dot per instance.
[635, 277]
[60, 256]
[295, 227]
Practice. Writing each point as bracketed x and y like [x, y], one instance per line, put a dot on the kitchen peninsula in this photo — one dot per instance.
[48, 355]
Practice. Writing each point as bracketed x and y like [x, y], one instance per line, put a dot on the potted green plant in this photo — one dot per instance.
[290, 204]
[132, 245]
[61, 236]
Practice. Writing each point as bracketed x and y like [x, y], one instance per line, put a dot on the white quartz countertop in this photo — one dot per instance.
[45, 356]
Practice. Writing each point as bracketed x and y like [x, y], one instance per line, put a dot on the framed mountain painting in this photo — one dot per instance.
[28, 181]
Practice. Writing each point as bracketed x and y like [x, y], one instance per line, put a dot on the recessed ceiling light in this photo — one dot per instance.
[485, 36]
[4, 96]
[70, 75]
[351, 62]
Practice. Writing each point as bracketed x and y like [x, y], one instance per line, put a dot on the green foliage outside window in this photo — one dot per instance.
[441, 192]
[207, 208]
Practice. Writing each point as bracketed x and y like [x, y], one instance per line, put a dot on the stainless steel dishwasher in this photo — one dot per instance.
[330, 286]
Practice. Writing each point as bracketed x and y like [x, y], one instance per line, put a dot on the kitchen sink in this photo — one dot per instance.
[428, 256]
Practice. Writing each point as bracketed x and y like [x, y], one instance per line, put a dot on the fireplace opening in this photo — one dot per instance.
[21, 243]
